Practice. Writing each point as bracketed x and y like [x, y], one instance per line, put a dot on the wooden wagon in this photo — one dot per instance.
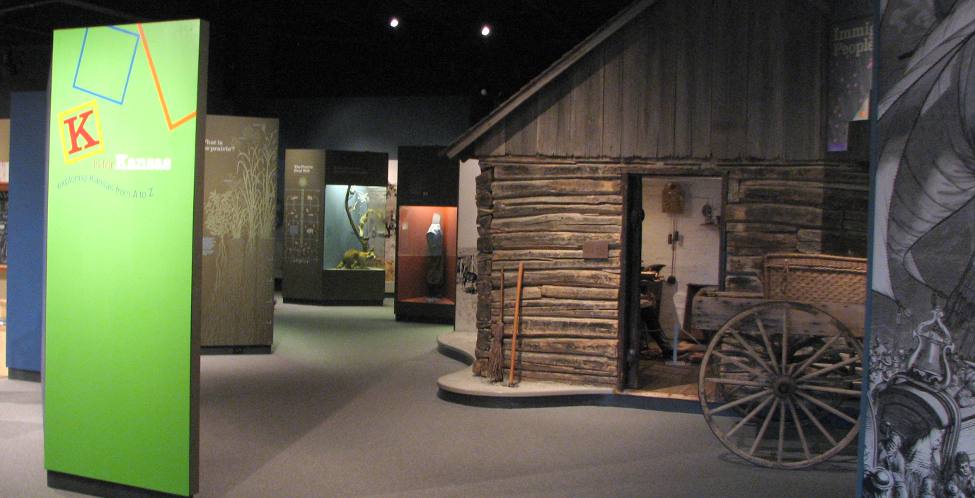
[780, 382]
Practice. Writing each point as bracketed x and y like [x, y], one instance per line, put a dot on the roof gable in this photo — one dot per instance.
[542, 80]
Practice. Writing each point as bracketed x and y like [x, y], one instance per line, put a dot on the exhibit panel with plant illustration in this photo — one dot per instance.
[121, 359]
[240, 182]
[919, 436]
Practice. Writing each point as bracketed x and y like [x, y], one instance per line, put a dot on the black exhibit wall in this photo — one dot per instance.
[239, 193]
[426, 235]
[304, 181]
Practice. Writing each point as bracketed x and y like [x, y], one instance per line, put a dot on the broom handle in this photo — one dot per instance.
[514, 332]
[501, 318]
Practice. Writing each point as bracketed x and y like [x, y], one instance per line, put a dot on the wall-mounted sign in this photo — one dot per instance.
[850, 74]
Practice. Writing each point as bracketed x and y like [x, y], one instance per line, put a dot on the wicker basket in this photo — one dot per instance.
[815, 278]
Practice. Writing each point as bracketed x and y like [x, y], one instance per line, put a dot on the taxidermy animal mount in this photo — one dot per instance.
[354, 259]
[368, 225]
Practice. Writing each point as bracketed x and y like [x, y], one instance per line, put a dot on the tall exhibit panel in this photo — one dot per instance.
[304, 189]
[918, 437]
[25, 239]
[239, 185]
[124, 214]
[426, 235]
[353, 270]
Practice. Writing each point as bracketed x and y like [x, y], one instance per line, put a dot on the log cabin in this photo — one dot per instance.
[730, 90]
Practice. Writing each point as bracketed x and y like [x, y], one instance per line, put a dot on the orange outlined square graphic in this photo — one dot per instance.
[85, 152]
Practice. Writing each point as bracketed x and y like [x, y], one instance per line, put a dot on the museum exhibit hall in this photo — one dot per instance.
[676, 248]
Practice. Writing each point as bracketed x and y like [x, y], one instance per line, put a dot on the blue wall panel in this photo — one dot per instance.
[25, 239]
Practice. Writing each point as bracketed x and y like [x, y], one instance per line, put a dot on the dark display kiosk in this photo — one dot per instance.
[335, 228]
[426, 235]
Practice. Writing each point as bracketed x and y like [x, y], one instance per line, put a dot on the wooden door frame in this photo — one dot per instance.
[629, 302]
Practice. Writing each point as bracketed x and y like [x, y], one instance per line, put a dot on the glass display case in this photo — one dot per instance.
[427, 255]
[355, 228]
[426, 235]
[353, 261]
[335, 227]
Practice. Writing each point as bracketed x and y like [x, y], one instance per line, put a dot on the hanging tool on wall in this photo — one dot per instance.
[514, 332]
[495, 366]
[673, 204]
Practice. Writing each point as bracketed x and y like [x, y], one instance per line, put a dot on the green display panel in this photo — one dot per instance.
[121, 344]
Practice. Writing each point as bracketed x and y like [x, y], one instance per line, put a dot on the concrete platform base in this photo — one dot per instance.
[466, 388]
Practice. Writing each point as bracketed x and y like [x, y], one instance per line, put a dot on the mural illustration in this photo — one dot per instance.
[919, 435]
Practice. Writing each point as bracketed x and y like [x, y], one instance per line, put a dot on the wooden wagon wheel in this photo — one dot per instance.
[780, 385]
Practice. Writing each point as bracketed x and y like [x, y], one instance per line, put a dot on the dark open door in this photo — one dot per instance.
[630, 282]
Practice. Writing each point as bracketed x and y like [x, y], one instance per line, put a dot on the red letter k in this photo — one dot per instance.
[79, 131]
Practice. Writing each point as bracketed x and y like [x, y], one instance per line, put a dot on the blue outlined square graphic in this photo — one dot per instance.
[105, 63]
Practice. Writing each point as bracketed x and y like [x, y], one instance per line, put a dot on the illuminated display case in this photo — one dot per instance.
[335, 227]
[426, 236]
[353, 268]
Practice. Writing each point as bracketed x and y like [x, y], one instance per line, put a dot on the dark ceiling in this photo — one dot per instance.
[274, 49]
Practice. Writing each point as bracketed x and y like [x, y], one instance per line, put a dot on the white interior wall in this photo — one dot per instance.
[698, 251]
[465, 319]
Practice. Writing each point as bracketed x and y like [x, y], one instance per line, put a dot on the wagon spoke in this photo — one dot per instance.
[836, 366]
[738, 362]
[741, 401]
[826, 407]
[785, 336]
[802, 434]
[761, 432]
[816, 355]
[833, 390]
[817, 423]
[750, 415]
[768, 344]
[750, 352]
[735, 382]
[782, 414]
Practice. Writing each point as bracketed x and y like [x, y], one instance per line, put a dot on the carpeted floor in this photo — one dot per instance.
[347, 406]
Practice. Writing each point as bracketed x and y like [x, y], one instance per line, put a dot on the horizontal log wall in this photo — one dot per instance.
[541, 215]
[802, 208]
[540, 212]
[704, 79]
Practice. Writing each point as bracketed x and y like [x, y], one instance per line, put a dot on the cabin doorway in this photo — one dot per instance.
[673, 248]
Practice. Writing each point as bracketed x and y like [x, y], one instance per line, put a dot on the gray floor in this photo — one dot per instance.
[347, 406]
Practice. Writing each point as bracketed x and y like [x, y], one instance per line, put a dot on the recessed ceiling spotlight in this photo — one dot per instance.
[485, 30]
[393, 22]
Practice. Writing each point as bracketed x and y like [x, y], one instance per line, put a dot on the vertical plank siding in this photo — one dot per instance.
[701, 79]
